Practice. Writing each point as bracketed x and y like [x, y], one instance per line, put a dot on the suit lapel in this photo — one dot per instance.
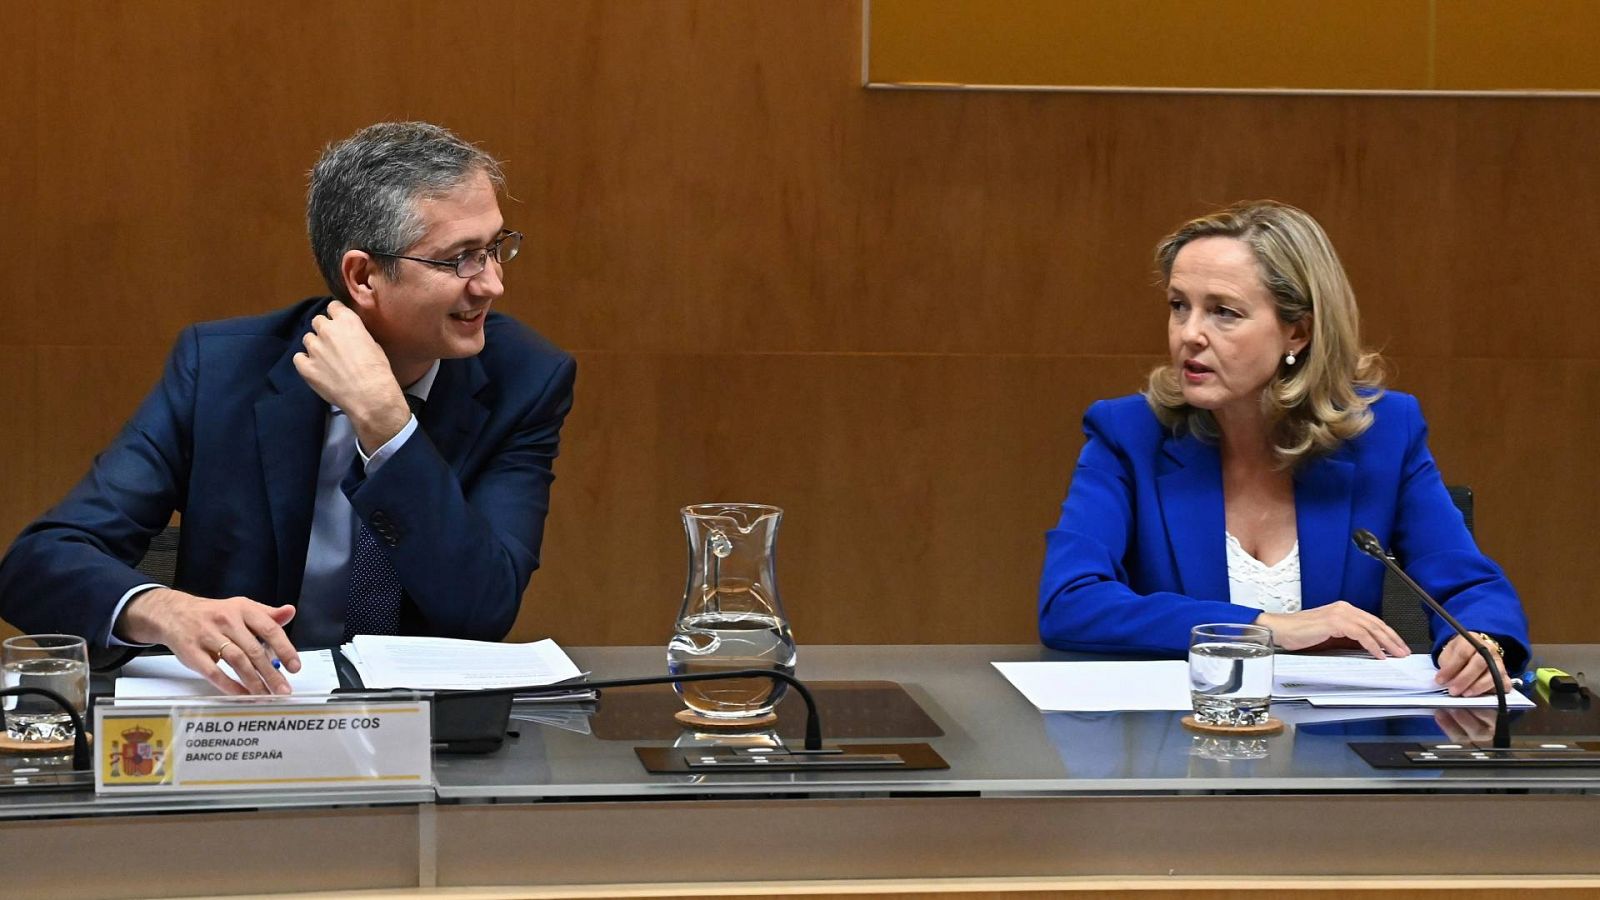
[1323, 497]
[454, 415]
[1191, 504]
[290, 420]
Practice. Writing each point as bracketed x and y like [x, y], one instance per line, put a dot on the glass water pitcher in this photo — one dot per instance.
[731, 616]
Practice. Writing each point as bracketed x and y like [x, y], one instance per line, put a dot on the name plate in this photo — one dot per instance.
[255, 744]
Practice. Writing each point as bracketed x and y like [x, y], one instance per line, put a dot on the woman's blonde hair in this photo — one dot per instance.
[1322, 400]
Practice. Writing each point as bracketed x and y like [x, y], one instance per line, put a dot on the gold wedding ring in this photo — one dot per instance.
[217, 654]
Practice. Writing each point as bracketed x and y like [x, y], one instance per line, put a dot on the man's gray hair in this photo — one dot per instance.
[364, 190]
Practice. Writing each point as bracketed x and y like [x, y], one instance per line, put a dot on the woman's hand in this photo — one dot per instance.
[1310, 627]
[1464, 725]
[1462, 672]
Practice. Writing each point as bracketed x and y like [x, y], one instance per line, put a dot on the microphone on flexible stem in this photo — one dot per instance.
[1369, 544]
[80, 742]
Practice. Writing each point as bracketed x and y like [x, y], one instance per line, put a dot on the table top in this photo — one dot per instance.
[997, 744]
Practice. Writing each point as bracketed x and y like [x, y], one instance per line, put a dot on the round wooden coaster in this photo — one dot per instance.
[695, 720]
[9, 744]
[1270, 726]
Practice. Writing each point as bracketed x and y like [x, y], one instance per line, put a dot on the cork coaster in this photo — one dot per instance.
[1270, 726]
[9, 744]
[695, 720]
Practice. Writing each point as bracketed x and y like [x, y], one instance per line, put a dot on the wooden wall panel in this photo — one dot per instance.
[1506, 45]
[1331, 44]
[20, 260]
[1253, 45]
[916, 488]
[882, 310]
[20, 449]
[1522, 433]
[83, 396]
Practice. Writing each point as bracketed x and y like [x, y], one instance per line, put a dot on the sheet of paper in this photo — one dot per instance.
[1112, 686]
[576, 695]
[1514, 700]
[1302, 675]
[1096, 686]
[569, 718]
[164, 676]
[446, 664]
[1295, 713]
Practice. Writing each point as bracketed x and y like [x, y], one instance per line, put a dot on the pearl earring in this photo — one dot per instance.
[1289, 360]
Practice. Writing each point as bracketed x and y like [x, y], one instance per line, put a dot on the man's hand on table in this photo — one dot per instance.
[200, 631]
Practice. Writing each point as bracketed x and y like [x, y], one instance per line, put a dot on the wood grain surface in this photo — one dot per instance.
[884, 311]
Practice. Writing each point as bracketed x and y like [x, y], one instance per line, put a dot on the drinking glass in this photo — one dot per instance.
[57, 662]
[1230, 674]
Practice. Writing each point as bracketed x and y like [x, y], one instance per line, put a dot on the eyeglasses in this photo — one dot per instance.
[471, 262]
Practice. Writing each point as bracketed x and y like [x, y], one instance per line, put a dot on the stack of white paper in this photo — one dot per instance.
[1332, 681]
[164, 676]
[1339, 680]
[564, 715]
[423, 663]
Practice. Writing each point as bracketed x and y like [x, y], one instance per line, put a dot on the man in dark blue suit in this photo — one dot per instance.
[378, 461]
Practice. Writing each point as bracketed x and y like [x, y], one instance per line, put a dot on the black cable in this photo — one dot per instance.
[813, 742]
[80, 741]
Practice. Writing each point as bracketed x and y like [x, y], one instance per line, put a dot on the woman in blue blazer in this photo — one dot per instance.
[1228, 491]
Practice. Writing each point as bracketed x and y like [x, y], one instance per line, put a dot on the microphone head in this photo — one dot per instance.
[1368, 542]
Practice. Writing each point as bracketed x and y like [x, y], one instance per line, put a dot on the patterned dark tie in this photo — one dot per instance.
[375, 592]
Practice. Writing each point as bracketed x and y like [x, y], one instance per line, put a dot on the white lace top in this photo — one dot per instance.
[1251, 582]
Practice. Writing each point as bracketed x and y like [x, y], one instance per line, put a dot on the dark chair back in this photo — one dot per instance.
[1402, 609]
[160, 564]
[161, 560]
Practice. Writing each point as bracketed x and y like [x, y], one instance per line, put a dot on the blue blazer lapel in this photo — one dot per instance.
[1192, 507]
[454, 415]
[290, 420]
[1324, 492]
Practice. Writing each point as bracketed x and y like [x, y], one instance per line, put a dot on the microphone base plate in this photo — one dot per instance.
[1530, 754]
[847, 757]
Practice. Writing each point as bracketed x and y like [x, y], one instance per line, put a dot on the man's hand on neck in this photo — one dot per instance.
[347, 368]
[377, 425]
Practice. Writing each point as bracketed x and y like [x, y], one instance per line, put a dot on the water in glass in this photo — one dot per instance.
[1230, 682]
[34, 718]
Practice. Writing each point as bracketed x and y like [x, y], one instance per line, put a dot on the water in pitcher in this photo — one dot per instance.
[731, 617]
[723, 641]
